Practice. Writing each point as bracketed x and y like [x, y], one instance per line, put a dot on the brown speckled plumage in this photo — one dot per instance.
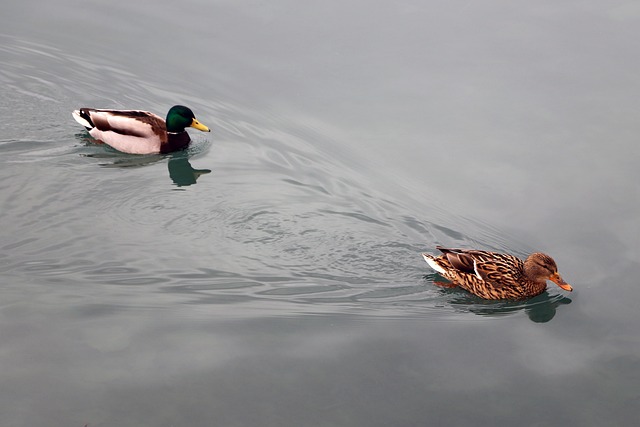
[492, 275]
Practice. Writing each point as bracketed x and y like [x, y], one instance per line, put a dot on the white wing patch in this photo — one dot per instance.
[475, 269]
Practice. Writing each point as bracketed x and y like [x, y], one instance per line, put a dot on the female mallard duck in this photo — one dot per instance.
[492, 275]
[140, 132]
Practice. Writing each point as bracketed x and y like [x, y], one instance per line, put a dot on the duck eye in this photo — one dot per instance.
[545, 266]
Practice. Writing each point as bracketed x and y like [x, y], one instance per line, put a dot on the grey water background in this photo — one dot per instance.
[270, 275]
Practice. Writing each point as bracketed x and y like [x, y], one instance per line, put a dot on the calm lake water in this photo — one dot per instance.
[271, 275]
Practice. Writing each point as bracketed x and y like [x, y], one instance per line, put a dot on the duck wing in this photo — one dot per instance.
[496, 268]
[141, 124]
[465, 260]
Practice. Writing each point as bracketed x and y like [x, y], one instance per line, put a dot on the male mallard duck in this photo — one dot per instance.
[140, 132]
[492, 275]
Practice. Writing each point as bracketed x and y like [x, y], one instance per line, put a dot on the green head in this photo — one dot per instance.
[180, 117]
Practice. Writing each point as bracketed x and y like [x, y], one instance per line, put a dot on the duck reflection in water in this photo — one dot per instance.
[540, 309]
[180, 170]
[182, 173]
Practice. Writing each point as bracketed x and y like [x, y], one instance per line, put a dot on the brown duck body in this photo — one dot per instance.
[492, 275]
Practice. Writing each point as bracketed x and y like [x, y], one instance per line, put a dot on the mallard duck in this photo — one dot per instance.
[140, 132]
[492, 275]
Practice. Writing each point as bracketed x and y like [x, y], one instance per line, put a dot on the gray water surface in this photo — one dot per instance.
[270, 275]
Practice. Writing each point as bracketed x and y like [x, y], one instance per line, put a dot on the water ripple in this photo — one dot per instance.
[287, 214]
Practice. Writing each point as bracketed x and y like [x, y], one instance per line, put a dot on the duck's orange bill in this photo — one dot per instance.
[558, 280]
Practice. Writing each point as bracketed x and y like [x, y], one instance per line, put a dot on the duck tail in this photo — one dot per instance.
[82, 116]
[433, 262]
